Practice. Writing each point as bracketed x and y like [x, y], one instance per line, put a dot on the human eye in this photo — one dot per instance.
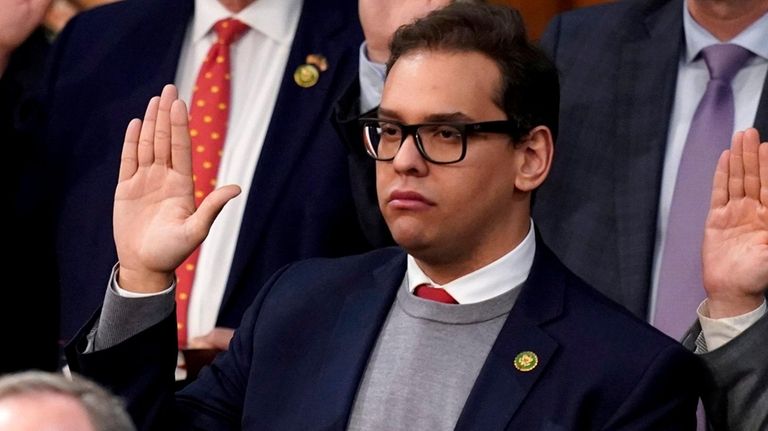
[389, 131]
[443, 133]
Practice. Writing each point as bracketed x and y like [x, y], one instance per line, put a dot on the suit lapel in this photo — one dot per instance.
[349, 347]
[501, 388]
[646, 87]
[298, 111]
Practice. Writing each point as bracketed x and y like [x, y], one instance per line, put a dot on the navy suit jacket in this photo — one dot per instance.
[298, 358]
[105, 67]
[597, 210]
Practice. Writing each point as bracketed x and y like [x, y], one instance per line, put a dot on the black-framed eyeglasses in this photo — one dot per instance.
[440, 143]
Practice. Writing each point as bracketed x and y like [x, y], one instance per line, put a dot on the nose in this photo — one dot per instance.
[408, 158]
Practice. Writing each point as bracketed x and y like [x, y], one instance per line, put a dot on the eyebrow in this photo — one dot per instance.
[384, 114]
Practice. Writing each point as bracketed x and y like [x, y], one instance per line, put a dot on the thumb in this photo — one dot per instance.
[201, 221]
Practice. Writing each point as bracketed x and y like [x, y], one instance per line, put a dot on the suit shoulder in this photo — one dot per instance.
[602, 339]
[326, 283]
[613, 11]
[354, 263]
[127, 13]
[330, 275]
[599, 21]
[609, 322]
[102, 16]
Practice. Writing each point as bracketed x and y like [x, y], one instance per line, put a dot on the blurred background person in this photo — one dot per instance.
[651, 93]
[269, 130]
[37, 401]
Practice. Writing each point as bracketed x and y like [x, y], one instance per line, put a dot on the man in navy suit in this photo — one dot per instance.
[631, 78]
[470, 324]
[281, 145]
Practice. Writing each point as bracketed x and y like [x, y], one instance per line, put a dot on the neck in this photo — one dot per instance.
[235, 6]
[444, 267]
[725, 19]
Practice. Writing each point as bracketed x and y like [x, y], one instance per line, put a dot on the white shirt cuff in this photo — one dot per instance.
[718, 332]
[127, 293]
[371, 81]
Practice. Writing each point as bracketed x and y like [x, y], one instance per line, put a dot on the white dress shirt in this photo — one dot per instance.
[498, 277]
[259, 59]
[692, 78]
[372, 76]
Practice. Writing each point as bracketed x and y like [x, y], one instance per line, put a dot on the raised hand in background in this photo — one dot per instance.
[735, 247]
[156, 225]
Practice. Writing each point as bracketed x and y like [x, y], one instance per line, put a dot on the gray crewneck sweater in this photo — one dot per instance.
[426, 361]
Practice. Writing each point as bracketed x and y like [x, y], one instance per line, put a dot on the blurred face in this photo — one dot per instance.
[462, 215]
[43, 412]
[380, 19]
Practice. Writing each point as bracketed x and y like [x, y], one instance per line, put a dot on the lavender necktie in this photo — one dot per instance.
[680, 286]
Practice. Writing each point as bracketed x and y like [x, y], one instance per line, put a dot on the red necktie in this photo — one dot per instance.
[434, 294]
[208, 117]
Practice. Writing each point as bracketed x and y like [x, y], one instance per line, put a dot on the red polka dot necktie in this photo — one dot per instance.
[208, 115]
[434, 294]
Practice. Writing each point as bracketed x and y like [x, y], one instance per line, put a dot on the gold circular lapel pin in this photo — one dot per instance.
[307, 75]
[526, 361]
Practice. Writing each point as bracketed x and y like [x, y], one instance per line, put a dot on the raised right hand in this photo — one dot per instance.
[735, 247]
[156, 225]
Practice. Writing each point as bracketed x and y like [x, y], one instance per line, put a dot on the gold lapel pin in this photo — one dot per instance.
[307, 75]
[526, 361]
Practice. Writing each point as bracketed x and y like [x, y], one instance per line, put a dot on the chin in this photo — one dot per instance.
[410, 236]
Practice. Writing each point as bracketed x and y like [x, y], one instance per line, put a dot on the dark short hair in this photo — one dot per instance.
[530, 90]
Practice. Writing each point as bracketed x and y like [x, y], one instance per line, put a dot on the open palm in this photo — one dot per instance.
[735, 247]
[156, 225]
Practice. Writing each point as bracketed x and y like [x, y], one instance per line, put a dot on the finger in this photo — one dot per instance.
[146, 152]
[201, 221]
[163, 126]
[763, 160]
[750, 146]
[181, 153]
[128, 158]
[736, 167]
[720, 183]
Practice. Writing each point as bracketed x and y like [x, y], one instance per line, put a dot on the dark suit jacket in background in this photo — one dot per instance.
[362, 167]
[297, 360]
[597, 210]
[29, 314]
[109, 62]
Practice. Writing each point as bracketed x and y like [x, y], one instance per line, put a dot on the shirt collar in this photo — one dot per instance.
[273, 18]
[697, 37]
[371, 80]
[490, 281]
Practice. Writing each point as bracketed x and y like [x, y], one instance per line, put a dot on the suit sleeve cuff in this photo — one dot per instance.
[126, 314]
[718, 332]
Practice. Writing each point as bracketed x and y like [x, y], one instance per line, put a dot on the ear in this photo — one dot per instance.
[535, 159]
